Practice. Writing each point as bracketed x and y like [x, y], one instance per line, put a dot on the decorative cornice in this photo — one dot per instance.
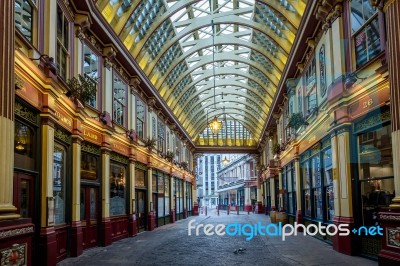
[134, 84]
[16, 232]
[328, 11]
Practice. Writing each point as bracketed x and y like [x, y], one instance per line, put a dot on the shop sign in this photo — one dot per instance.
[92, 136]
[120, 148]
[63, 119]
[369, 102]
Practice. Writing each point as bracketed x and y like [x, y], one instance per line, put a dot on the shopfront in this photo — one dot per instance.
[62, 157]
[374, 189]
[141, 196]
[189, 199]
[289, 191]
[317, 185]
[179, 197]
[90, 208]
[162, 196]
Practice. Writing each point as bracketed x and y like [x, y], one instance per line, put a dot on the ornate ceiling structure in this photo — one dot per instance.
[186, 47]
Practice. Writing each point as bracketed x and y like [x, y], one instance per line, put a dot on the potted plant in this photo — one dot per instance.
[170, 156]
[82, 88]
[276, 148]
[150, 143]
[184, 165]
[296, 121]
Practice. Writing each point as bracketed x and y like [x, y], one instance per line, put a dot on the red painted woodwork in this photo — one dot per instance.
[343, 244]
[248, 208]
[48, 246]
[195, 209]
[389, 221]
[89, 221]
[259, 208]
[299, 220]
[172, 217]
[119, 227]
[76, 239]
[133, 225]
[184, 213]
[151, 218]
[141, 210]
[61, 240]
[21, 239]
[106, 232]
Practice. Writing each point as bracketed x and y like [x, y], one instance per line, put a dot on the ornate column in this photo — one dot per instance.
[280, 203]
[151, 218]
[48, 244]
[76, 234]
[299, 215]
[342, 188]
[132, 199]
[7, 97]
[172, 198]
[105, 195]
[184, 193]
[274, 206]
[390, 218]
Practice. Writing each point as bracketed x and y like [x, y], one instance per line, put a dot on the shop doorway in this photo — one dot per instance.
[90, 215]
[141, 210]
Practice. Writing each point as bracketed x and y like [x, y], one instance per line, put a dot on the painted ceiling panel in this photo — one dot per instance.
[210, 57]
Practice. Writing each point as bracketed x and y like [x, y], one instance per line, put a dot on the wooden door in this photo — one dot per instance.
[90, 215]
[141, 210]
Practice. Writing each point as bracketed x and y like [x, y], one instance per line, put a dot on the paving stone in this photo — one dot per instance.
[171, 245]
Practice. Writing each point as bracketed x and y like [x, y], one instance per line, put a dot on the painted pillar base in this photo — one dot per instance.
[172, 216]
[259, 208]
[195, 209]
[184, 213]
[299, 220]
[106, 232]
[132, 225]
[76, 239]
[151, 220]
[248, 208]
[344, 244]
[390, 252]
[48, 246]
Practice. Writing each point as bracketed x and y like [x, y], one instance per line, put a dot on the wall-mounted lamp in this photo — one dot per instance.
[350, 79]
[133, 206]
[48, 62]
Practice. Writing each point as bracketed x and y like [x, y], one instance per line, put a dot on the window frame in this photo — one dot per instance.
[99, 79]
[161, 137]
[69, 50]
[379, 16]
[139, 99]
[125, 104]
[34, 25]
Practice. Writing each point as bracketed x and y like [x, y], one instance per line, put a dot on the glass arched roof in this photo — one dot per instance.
[210, 58]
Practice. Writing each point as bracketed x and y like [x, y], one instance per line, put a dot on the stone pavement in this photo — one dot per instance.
[171, 245]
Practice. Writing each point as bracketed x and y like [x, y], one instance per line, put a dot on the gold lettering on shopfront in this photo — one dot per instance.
[367, 104]
[89, 135]
[117, 147]
[63, 119]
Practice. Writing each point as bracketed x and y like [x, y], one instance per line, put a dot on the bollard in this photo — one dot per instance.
[218, 210]
[227, 210]
[206, 210]
[237, 209]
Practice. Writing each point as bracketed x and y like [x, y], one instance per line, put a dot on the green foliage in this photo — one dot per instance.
[296, 121]
[82, 88]
[150, 143]
[276, 148]
[170, 156]
[184, 165]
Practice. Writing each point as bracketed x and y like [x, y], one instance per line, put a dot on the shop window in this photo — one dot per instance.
[160, 136]
[62, 44]
[59, 185]
[310, 86]
[23, 146]
[328, 185]
[117, 189]
[290, 188]
[91, 69]
[375, 172]
[161, 195]
[306, 189]
[140, 180]
[140, 118]
[89, 166]
[120, 100]
[366, 31]
[24, 15]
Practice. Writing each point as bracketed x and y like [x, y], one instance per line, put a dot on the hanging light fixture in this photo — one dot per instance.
[214, 124]
[225, 161]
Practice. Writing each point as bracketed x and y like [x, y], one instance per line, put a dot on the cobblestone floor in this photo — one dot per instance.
[171, 245]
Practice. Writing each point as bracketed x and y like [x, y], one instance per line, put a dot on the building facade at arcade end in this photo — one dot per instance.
[108, 106]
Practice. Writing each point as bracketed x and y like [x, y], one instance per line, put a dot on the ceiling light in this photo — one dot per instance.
[225, 161]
